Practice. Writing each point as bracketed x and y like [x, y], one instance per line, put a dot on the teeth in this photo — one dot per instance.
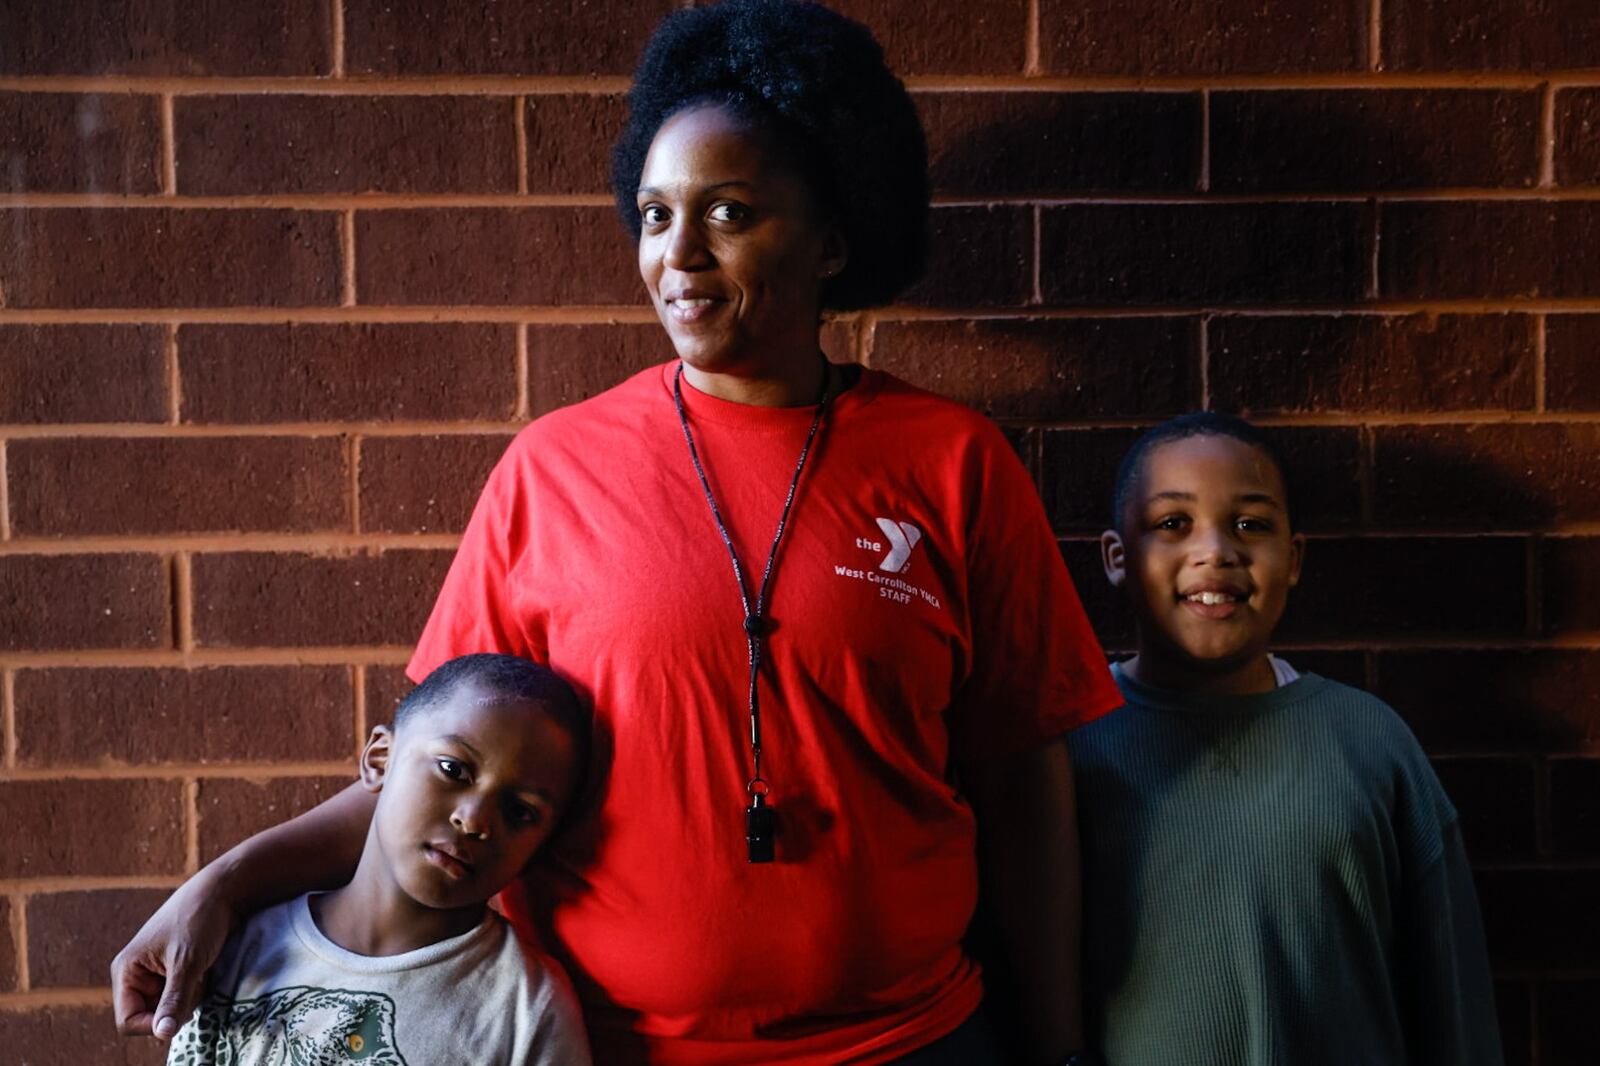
[698, 301]
[1211, 599]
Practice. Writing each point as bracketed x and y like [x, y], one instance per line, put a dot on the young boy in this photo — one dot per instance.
[406, 963]
[1272, 873]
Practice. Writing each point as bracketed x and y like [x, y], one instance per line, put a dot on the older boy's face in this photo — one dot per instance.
[472, 788]
[1208, 554]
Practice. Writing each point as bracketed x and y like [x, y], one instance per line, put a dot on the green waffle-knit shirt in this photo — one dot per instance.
[1274, 879]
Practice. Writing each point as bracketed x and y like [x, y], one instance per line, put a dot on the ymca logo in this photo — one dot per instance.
[902, 537]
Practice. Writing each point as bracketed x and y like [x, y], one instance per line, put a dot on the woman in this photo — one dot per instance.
[797, 594]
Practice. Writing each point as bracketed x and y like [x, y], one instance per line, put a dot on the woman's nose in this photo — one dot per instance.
[686, 246]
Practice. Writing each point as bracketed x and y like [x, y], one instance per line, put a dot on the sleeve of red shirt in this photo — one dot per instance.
[473, 612]
[1037, 669]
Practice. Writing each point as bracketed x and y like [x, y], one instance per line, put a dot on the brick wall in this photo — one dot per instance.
[279, 278]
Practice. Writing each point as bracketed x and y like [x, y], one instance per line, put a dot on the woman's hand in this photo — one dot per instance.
[156, 979]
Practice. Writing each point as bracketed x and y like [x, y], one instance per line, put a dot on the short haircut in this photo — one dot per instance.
[502, 677]
[817, 82]
[1194, 424]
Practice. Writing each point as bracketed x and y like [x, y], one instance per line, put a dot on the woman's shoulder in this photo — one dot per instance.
[893, 399]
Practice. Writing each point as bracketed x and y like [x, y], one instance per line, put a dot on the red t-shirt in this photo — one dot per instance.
[920, 612]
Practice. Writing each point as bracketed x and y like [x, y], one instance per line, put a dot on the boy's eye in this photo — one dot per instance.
[524, 814]
[1251, 524]
[451, 769]
[729, 212]
[1172, 523]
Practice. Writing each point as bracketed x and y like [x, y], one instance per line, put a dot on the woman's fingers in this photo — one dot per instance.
[181, 995]
[135, 987]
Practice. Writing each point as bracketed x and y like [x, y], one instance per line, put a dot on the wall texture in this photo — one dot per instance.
[278, 279]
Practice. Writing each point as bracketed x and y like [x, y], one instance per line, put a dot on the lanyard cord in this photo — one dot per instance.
[754, 620]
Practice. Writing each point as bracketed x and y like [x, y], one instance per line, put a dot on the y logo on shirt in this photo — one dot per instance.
[902, 537]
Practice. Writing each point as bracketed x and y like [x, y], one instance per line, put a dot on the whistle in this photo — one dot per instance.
[760, 827]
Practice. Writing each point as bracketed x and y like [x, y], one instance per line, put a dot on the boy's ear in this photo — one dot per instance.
[1297, 557]
[375, 757]
[1113, 557]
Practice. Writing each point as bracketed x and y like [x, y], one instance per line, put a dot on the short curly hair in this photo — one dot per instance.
[817, 80]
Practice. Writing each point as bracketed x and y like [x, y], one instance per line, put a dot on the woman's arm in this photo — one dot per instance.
[156, 978]
[1028, 863]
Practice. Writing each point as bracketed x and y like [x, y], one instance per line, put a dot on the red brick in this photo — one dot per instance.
[1513, 477]
[359, 372]
[1052, 369]
[1496, 702]
[230, 811]
[1578, 137]
[1201, 36]
[1541, 919]
[1078, 472]
[386, 687]
[159, 257]
[63, 142]
[424, 484]
[52, 602]
[1203, 253]
[420, 37]
[1356, 139]
[1572, 362]
[1489, 34]
[1369, 589]
[1566, 1022]
[93, 828]
[156, 485]
[267, 599]
[229, 145]
[122, 716]
[1326, 363]
[1575, 806]
[8, 948]
[1107, 609]
[1495, 798]
[82, 374]
[1495, 249]
[917, 38]
[978, 257]
[97, 37]
[567, 364]
[73, 936]
[1570, 579]
[569, 141]
[526, 255]
[71, 1036]
[987, 144]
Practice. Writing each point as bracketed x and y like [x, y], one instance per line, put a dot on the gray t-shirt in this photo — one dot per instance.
[283, 992]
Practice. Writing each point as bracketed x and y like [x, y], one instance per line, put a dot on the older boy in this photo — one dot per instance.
[406, 963]
[1273, 874]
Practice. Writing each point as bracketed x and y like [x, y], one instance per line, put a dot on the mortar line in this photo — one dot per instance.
[67, 883]
[174, 376]
[338, 42]
[519, 114]
[1375, 36]
[347, 251]
[183, 603]
[169, 147]
[354, 452]
[524, 398]
[1375, 230]
[358, 708]
[19, 938]
[1203, 183]
[5, 495]
[1038, 256]
[1030, 43]
[1366, 467]
[8, 712]
[1541, 347]
[191, 825]
[1204, 346]
[867, 340]
[44, 999]
[1547, 137]
[210, 772]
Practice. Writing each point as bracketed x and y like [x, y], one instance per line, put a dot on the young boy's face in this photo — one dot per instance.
[1205, 554]
[468, 790]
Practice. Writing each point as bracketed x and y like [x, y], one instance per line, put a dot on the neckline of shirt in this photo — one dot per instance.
[1162, 699]
[318, 943]
[704, 407]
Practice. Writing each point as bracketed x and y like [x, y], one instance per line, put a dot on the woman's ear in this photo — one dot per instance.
[375, 757]
[1113, 557]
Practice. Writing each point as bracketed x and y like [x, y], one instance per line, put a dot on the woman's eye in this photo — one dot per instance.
[726, 212]
[653, 215]
[451, 769]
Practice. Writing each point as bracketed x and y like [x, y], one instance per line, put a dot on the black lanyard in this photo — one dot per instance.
[760, 822]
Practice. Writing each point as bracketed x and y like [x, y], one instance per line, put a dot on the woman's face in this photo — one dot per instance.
[732, 246]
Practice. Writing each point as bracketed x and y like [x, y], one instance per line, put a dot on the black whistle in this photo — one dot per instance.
[760, 827]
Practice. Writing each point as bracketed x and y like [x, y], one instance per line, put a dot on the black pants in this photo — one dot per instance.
[973, 1043]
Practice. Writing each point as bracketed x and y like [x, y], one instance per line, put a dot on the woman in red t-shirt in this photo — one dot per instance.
[802, 599]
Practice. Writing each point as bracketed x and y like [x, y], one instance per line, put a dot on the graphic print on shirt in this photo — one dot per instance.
[293, 1026]
[900, 542]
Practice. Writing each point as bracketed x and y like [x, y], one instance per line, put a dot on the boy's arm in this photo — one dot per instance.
[1448, 995]
[1028, 863]
[156, 978]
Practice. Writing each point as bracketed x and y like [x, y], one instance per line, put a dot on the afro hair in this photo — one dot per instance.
[818, 81]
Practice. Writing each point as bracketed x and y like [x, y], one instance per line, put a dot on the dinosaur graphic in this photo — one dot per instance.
[292, 1026]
